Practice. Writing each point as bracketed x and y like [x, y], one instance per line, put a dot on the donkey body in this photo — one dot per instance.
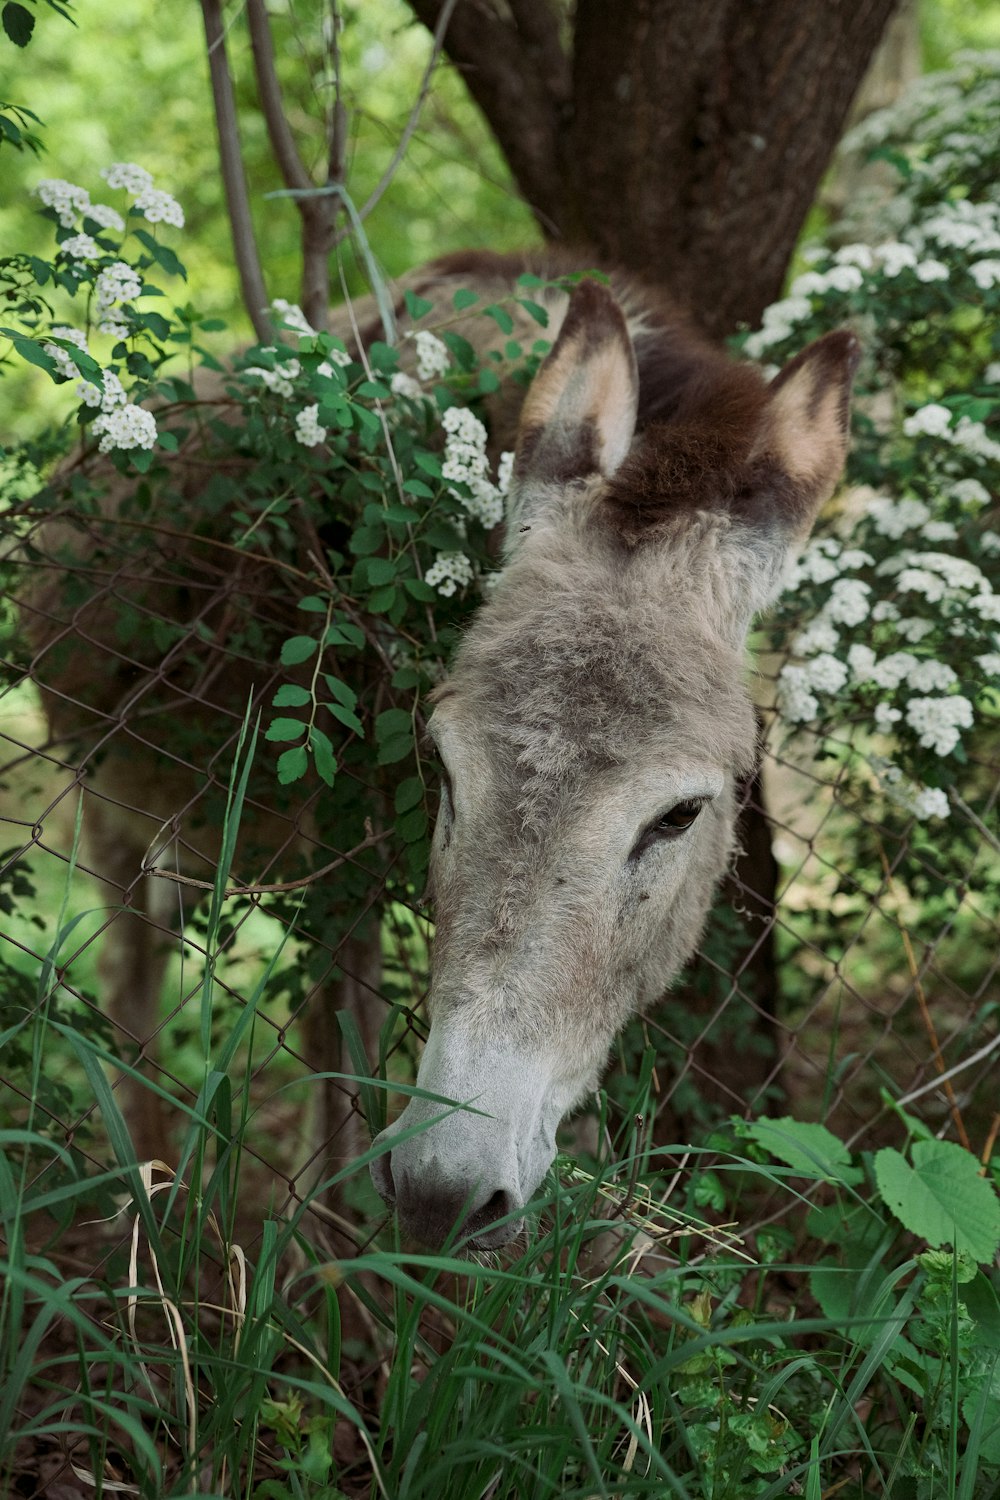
[592, 729]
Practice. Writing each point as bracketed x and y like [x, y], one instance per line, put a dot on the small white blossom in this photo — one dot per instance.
[795, 701]
[117, 283]
[308, 431]
[66, 199]
[989, 541]
[125, 174]
[891, 670]
[932, 270]
[819, 635]
[106, 216]
[885, 716]
[861, 660]
[892, 518]
[816, 564]
[937, 721]
[970, 492]
[855, 255]
[913, 628]
[81, 247]
[920, 581]
[885, 610]
[985, 273]
[451, 570]
[939, 531]
[160, 208]
[895, 257]
[854, 557]
[933, 420]
[930, 802]
[778, 322]
[986, 605]
[826, 674]
[505, 470]
[989, 663]
[279, 380]
[974, 439]
[125, 427]
[433, 358]
[848, 603]
[290, 315]
[404, 385]
[931, 676]
[107, 398]
[65, 365]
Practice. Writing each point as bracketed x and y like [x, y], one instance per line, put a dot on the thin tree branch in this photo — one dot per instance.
[397, 156]
[317, 210]
[255, 297]
[500, 72]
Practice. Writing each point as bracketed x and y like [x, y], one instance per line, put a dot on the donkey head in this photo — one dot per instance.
[591, 734]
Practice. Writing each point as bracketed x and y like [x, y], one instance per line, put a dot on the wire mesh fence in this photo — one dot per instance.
[846, 970]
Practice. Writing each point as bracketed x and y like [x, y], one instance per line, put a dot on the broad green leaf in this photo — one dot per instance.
[292, 764]
[322, 749]
[396, 749]
[417, 307]
[284, 729]
[500, 316]
[347, 717]
[290, 695]
[298, 649]
[379, 570]
[810, 1150]
[409, 794]
[380, 601]
[535, 310]
[314, 604]
[418, 589]
[412, 826]
[343, 694]
[392, 722]
[18, 23]
[344, 633]
[941, 1197]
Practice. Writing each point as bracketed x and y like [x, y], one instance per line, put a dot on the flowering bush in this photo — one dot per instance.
[372, 464]
[893, 610]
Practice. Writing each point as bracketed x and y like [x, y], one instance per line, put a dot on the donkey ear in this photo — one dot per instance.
[578, 417]
[806, 426]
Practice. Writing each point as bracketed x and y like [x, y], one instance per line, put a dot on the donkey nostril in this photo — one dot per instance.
[498, 1204]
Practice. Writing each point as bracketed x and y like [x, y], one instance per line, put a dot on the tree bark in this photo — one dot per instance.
[684, 140]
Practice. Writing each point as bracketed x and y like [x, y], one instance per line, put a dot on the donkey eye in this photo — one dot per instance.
[669, 825]
[679, 817]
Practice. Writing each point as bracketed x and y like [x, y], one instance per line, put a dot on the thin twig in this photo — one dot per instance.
[279, 886]
[248, 264]
[414, 118]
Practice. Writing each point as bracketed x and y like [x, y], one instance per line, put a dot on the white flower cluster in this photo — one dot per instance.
[125, 426]
[308, 431]
[451, 570]
[937, 721]
[159, 208]
[115, 284]
[126, 175]
[279, 380]
[81, 247]
[922, 801]
[66, 199]
[404, 385]
[65, 365]
[433, 358]
[107, 396]
[466, 462]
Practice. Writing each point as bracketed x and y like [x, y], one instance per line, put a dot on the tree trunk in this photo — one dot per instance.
[685, 141]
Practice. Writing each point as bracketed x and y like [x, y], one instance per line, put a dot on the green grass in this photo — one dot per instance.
[173, 1331]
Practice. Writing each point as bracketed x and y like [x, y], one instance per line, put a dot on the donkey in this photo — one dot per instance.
[593, 728]
[591, 732]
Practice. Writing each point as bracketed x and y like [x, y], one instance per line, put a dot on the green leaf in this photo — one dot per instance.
[462, 352]
[428, 462]
[418, 589]
[322, 749]
[167, 441]
[535, 310]
[392, 722]
[19, 23]
[341, 691]
[292, 765]
[393, 750]
[344, 633]
[941, 1197]
[464, 298]
[405, 677]
[380, 570]
[346, 717]
[290, 695]
[30, 351]
[810, 1150]
[284, 729]
[382, 356]
[409, 794]
[298, 649]
[366, 540]
[417, 307]
[373, 389]
[314, 604]
[412, 826]
[418, 488]
[380, 601]
[500, 316]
